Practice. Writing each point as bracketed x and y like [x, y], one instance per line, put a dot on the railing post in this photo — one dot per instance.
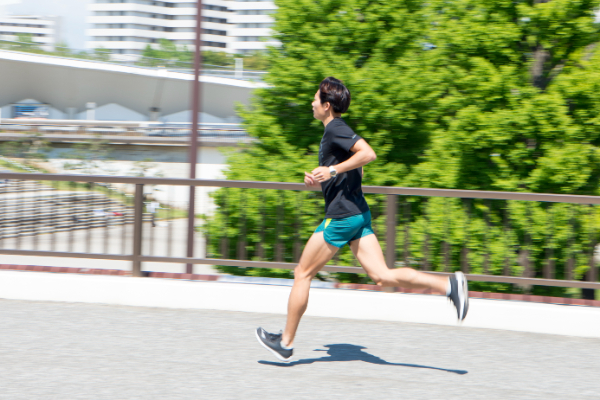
[136, 268]
[426, 264]
[279, 229]
[390, 234]
[297, 224]
[549, 265]
[571, 260]
[406, 252]
[464, 256]
[591, 275]
[241, 240]
[487, 257]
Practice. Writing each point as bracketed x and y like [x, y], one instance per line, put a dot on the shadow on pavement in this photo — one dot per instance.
[351, 352]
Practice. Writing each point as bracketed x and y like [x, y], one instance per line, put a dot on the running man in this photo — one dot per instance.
[342, 155]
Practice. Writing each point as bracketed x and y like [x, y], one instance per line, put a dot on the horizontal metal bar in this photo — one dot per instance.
[70, 122]
[477, 194]
[64, 254]
[526, 281]
[124, 139]
[132, 124]
[468, 194]
[359, 270]
[281, 265]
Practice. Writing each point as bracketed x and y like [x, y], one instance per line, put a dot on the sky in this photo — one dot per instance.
[73, 13]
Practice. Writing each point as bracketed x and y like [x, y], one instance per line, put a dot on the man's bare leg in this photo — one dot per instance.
[370, 256]
[315, 255]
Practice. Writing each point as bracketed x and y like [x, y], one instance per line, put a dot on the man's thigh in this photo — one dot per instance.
[315, 255]
[367, 251]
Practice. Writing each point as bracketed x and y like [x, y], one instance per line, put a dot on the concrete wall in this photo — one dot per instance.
[186, 116]
[114, 112]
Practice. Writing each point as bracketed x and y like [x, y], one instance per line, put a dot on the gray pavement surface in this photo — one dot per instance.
[86, 351]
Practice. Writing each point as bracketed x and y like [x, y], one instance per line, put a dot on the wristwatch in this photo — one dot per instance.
[332, 172]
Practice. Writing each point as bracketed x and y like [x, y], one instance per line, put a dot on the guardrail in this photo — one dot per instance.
[130, 191]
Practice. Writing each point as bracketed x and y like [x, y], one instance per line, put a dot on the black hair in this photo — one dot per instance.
[335, 93]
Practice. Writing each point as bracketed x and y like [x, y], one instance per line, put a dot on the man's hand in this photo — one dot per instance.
[309, 181]
[321, 174]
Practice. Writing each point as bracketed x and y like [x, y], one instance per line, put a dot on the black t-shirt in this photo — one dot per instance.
[343, 193]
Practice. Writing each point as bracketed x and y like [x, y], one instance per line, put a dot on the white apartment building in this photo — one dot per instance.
[43, 30]
[128, 26]
[252, 22]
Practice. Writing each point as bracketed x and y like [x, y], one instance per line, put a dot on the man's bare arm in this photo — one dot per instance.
[363, 154]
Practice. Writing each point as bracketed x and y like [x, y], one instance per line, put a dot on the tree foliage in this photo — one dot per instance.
[25, 43]
[469, 94]
[169, 54]
[31, 147]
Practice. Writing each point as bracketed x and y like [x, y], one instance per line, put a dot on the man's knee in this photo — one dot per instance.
[383, 280]
[302, 273]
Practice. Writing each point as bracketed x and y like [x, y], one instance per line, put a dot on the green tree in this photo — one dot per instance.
[257, 61]
[101, 54]
[219, 58]
[167, 54]
[471, 94]
[25, 43]
[62, 50]
[31, 147]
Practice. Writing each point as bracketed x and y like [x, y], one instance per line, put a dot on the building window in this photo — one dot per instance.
[215, 20]
[214, 8]
[214, 44]
[214, 32]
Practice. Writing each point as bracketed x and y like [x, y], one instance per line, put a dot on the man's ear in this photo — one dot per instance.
[327, 106]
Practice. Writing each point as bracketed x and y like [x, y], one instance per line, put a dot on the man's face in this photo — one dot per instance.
[319, 109]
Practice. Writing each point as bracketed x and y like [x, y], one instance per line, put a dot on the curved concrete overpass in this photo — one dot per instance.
[68, 85]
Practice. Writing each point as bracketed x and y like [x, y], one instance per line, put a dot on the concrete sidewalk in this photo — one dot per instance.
[272, 299]
[77, 351]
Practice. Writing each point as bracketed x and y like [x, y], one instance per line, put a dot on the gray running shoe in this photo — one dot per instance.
[459, 294]
[272, 342]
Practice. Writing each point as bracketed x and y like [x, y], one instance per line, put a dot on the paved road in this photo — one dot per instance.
[83, 351]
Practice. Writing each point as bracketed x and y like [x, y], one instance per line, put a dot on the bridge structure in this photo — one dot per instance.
[78, 89]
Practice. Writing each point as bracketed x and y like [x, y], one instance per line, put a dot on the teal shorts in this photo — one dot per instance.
[340, 231]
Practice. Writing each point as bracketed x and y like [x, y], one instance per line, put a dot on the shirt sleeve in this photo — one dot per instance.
[345, 138]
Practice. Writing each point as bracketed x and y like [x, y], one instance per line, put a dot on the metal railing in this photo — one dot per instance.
[125, 199]
[133, 60]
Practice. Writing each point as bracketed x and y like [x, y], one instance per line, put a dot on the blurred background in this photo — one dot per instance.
[468, 95]
[484, 115]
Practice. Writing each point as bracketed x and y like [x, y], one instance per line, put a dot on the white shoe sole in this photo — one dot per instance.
[276, 354]
[463, 295]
